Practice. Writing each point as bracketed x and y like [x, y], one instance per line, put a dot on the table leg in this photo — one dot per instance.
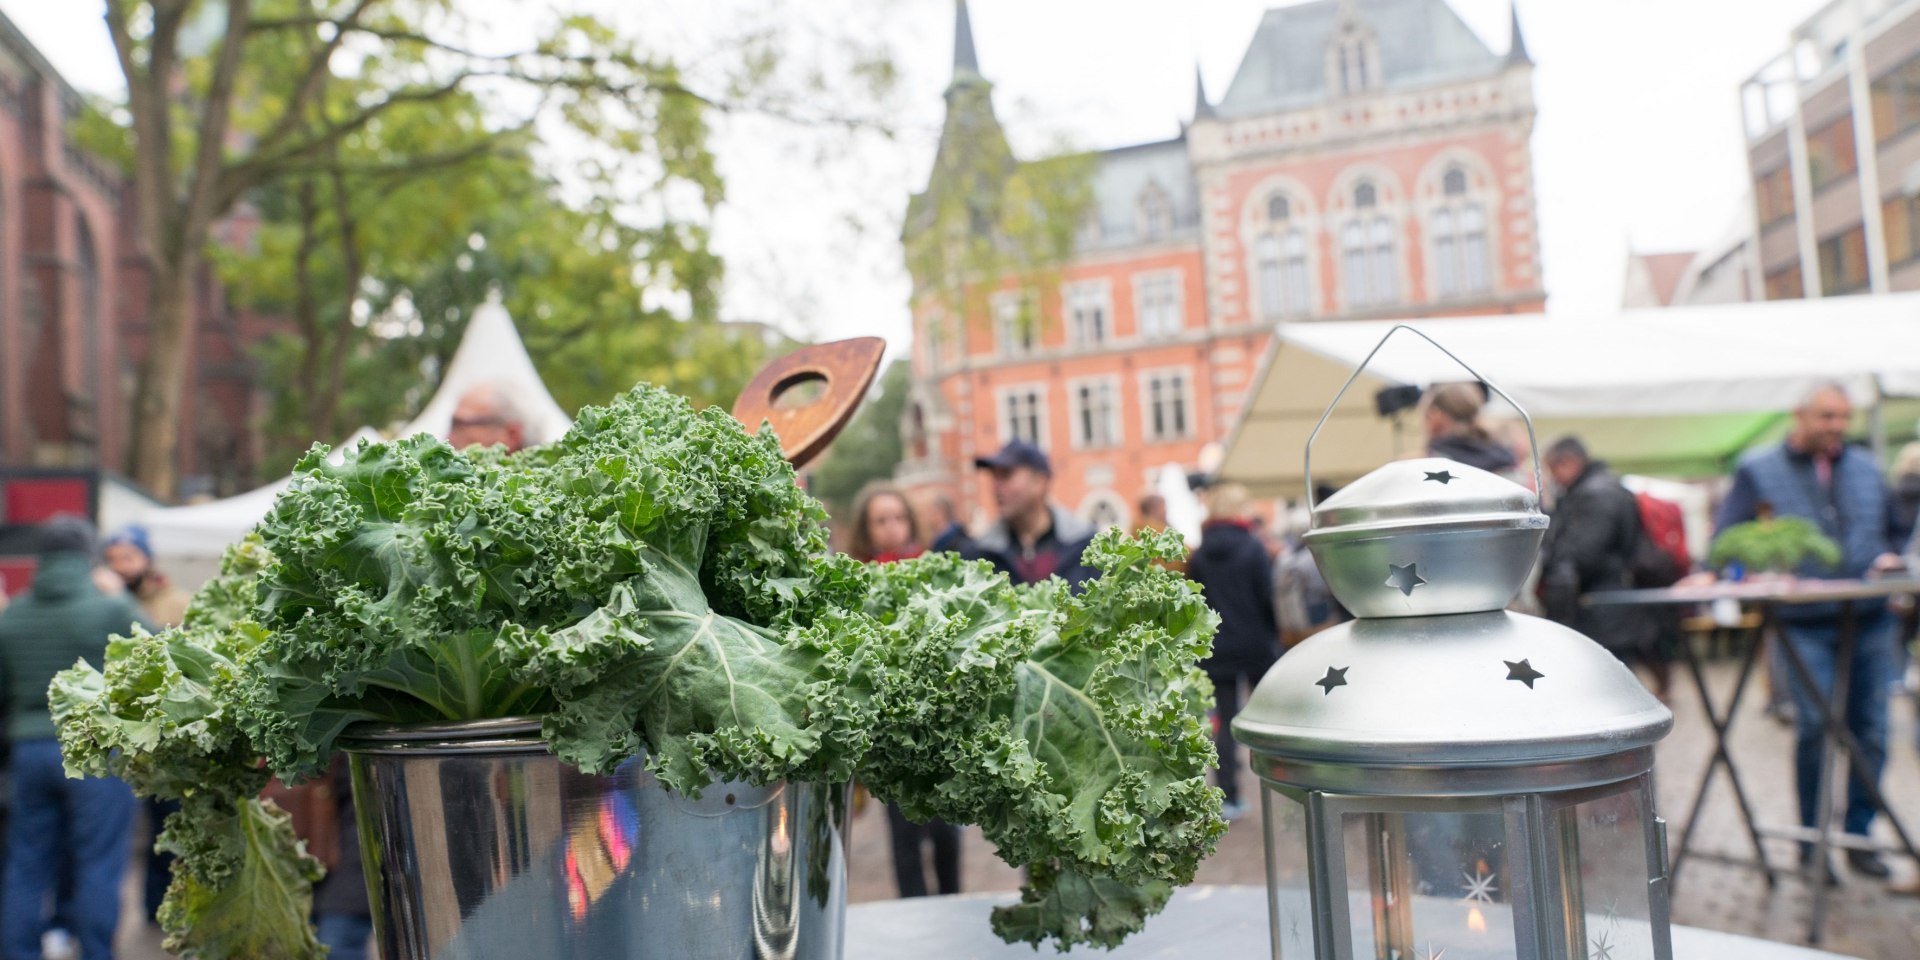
[1722, 725]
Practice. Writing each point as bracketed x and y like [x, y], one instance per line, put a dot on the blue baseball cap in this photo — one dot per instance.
[134, 536]
[1017, 453]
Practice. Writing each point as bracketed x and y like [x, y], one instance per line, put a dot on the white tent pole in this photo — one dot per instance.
[1877, 424]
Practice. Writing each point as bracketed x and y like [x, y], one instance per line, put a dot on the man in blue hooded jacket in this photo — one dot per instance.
[1815, 475]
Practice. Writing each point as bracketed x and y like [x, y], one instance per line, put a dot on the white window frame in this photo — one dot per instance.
[1113, 430]
[1003, 413]
[1174, 281]
[1189, 428]
[1009, 339]
[1096, 294]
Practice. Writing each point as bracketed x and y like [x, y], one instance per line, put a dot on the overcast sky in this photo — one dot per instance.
[1638, 141]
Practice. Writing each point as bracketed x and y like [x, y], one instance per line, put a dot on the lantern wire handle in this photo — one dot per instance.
[1533, 443]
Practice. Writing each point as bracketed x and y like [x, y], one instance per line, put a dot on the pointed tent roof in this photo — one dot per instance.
[491, 353]
[188, 540]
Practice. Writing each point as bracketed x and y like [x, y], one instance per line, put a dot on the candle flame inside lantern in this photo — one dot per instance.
[1476, 921]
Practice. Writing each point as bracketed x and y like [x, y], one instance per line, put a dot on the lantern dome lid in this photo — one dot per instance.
[1426, 537]
[1481, 689]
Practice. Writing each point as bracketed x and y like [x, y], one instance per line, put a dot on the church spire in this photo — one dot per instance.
[1201, 108]
[1517, 42]
[966, 64]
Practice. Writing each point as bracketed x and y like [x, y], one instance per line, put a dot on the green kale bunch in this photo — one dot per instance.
[656, 585]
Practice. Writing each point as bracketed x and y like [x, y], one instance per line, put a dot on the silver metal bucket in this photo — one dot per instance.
[481, 845]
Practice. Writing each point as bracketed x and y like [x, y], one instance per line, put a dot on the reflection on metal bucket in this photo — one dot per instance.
[480, 845]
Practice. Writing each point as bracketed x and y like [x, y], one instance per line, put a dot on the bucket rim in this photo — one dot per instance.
[493, 735]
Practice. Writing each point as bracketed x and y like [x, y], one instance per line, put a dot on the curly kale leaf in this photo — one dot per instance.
[159, 716]
[1069, 726]
[659, 668]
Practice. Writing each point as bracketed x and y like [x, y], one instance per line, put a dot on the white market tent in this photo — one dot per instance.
[189, 540]
[1673, 392]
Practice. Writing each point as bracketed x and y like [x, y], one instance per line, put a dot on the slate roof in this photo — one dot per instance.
[1123, 174]
[1421, 42]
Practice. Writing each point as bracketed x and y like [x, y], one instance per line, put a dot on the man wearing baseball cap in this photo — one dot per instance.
[1033, 539]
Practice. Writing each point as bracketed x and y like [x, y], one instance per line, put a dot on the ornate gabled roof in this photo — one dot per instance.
[1420, 42]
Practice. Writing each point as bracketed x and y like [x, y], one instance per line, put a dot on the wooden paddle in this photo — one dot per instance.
[844, 368]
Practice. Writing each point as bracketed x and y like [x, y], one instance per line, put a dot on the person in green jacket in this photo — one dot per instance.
[57, 826]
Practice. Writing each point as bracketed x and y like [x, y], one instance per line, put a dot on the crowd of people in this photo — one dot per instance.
[67, 840]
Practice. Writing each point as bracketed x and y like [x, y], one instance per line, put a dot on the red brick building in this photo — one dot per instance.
[73, 301]
[1370, 159]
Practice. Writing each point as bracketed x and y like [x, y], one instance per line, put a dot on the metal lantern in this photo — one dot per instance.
[1443, 779]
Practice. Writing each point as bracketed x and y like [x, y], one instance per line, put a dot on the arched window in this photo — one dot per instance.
[1459, 229]
[1367, 252]
[1156, 212]
[1280, 263]
[917, 447]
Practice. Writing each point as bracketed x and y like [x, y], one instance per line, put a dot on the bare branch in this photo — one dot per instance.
[314, 79]
[205, 198]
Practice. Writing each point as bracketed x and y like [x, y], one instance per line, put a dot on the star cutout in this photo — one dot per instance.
[1433, 954]
[1602, 950]
[1523, 672]
[1404, 578]
[1334, 678]
[1440, 477]
[1613, 911]
[1480, 886]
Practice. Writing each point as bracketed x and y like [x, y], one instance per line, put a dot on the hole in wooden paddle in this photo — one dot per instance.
[803, 389]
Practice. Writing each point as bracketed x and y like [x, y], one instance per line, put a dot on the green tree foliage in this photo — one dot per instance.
[869, 448]
[378, 136]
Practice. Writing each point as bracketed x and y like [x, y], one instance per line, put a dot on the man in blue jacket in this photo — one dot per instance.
[1817, 476]
[1034, 539]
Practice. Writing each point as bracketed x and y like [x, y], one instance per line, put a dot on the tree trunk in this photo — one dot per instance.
[163, 375]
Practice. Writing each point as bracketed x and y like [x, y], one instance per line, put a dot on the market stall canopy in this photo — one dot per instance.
[189, 540]
[1673, 392]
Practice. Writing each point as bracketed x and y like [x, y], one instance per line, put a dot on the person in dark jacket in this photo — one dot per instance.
[342, 913]
[1454, 430]
[1033, 539]
[1590, 546]
[885, 531]
[79, 827]
[1234, 569]
[952, 537]
[1815, 475]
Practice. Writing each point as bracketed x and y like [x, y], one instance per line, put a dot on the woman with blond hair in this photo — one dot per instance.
[885, 531]
[1233, 568]
[1454, 430]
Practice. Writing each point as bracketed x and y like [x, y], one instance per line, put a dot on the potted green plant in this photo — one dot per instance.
[1773, 545]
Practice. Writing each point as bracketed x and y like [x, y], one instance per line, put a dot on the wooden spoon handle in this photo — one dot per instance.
[845, 367]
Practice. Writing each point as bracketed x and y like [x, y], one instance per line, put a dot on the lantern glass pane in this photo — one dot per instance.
[1290, 905]
[1604, 853]
[1426, 884]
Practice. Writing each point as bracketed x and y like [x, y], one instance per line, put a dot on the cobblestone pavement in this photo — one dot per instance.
[1865, 920]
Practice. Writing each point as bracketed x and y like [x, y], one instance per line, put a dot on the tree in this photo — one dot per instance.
[287, 91]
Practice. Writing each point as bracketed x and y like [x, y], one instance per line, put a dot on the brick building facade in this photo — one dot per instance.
[73, 301]
[1370, 159]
